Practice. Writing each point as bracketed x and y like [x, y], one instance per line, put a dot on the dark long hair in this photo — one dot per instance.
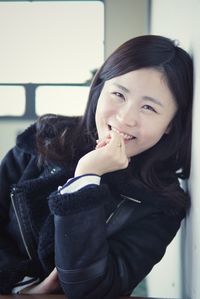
[171, 155]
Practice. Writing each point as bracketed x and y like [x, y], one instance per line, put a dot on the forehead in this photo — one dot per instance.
[145, 77]
[140, 75]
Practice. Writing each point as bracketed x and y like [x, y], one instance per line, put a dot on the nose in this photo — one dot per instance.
[127, 117]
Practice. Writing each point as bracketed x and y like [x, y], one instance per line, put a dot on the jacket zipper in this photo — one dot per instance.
[130, 198]
[115, 211]
[19, 224]
[119, 205]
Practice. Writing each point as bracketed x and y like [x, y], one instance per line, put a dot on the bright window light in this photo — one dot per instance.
[12, 100]
[65, 100]
[51, 41]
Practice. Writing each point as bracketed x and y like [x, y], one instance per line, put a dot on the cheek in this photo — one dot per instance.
[146, 140]
[104, 112]
[153, 135]
[101, 118]
[156, 128]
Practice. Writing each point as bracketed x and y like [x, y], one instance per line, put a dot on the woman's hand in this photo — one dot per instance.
[48, 286]
[108, 156]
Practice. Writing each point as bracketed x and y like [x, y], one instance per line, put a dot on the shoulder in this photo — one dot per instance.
[17, 158]
[26, 140]
[58, 121]
[46, 127]
[51, 126]
[172, 201]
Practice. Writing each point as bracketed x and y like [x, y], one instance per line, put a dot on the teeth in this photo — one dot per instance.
[124, 135]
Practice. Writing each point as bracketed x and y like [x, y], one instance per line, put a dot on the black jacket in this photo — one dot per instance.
[103, 239]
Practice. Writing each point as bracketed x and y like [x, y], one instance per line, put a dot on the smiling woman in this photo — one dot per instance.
[88, 205]
[129, 105]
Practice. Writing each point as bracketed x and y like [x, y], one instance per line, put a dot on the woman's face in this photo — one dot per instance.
[139, 106]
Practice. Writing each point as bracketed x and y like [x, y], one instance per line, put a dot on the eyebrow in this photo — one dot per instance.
[122, 87]
[155, 101]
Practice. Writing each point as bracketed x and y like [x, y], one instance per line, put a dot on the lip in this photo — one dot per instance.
[127, 137]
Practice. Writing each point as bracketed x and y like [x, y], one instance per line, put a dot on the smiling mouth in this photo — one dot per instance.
[124, 135]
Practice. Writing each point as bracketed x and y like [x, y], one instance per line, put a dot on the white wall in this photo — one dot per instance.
[179, 19]
[124, 19]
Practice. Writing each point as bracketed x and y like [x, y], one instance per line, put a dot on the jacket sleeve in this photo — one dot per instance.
[11, 169]
[93, 264]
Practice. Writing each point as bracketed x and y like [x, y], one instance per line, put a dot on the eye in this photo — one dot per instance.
[118, 95]
[150, 108]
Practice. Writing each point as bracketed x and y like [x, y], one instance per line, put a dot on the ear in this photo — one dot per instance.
[169, 127]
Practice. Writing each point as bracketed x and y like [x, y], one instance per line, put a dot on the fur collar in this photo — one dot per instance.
[27, 139]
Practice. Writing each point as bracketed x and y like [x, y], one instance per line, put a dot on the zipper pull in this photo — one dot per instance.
[130, 198]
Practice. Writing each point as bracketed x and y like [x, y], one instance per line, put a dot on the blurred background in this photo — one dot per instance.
[49, 52]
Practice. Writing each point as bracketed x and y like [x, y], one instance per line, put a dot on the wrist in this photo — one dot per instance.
[29, 289]
[81, 170]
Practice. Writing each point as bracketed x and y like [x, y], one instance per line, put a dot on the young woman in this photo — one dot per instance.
[89, 204]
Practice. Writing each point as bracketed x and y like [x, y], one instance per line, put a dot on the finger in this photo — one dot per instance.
[52, 276]
[123, 147]
[117, 141]
[107, 136]
[103, 142]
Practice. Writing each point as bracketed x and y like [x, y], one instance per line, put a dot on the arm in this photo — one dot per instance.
[91, 264]
[11, 170]
[12, 263]
[49, 285]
